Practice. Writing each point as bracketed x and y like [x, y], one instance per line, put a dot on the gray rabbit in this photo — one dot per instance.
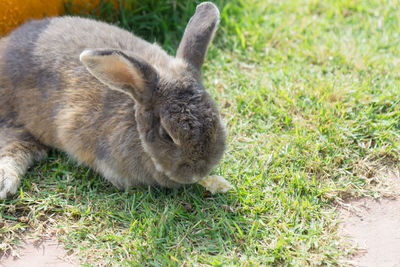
[110, 100]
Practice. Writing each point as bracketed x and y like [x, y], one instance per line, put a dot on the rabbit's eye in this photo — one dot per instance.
[165, 135]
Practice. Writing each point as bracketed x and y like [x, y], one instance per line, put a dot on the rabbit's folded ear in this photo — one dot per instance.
[120, 72]
[198, 34]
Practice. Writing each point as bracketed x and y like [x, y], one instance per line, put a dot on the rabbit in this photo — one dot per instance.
[110, 100]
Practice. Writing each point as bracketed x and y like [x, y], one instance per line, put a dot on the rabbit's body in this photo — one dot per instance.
[62, 105]
[116, 117]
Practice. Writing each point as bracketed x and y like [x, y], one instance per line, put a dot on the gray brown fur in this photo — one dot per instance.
[110, 100]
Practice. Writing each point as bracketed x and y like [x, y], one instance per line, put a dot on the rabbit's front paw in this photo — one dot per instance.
[9, 183]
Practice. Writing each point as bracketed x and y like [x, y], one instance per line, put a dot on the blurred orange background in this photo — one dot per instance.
[16, 12]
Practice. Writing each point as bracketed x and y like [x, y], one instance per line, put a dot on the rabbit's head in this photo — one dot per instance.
[178, 122]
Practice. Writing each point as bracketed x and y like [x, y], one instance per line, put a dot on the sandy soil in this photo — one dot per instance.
[375, 226]
[40, 254]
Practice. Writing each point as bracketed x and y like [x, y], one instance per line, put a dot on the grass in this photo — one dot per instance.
[310, 94]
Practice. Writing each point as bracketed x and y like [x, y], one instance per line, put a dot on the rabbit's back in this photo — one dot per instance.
[64, 38]
[58, 39]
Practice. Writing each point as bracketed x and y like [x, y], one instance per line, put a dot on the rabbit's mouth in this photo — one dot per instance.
[188, 174]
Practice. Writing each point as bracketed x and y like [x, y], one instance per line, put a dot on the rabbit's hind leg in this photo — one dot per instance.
[18, 149]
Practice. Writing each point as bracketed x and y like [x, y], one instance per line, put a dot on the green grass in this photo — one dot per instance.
[310, 94]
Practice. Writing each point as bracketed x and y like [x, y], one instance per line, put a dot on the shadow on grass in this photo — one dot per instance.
[60, 198]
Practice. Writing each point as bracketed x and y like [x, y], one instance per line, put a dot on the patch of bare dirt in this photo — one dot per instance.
[374, 224]
[40, 253]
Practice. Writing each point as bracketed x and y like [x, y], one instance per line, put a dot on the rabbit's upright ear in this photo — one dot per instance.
[198, 34]
[120, 72]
